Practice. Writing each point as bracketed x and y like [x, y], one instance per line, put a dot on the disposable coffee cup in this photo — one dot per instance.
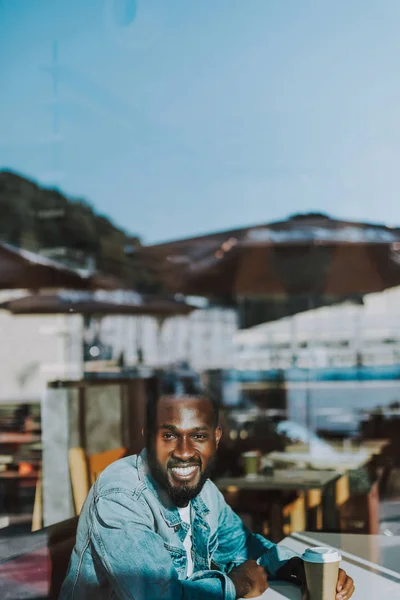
[322, 570]
[251, 463]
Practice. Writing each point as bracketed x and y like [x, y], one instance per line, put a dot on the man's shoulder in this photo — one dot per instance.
[211, 495]
[119, 495]
[123, 475]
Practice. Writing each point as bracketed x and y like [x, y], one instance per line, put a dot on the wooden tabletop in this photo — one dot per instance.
[13, 437]
[375, 446]
[344, 460]
[16, 475]
[6, 459]
[282, 479]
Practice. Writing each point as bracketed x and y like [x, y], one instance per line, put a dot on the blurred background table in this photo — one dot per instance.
[345, 460]
[282, 481]
[11, 437]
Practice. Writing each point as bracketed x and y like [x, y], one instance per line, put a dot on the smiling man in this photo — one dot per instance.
[154, 527]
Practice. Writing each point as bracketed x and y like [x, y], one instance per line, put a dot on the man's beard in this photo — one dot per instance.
[182, 494]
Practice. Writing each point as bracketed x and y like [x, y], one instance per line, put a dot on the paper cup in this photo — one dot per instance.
[251, 463]
[322, 570]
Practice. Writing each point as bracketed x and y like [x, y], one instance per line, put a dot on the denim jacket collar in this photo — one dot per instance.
[169, 510]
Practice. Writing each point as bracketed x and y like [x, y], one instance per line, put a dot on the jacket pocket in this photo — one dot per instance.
[179, 559]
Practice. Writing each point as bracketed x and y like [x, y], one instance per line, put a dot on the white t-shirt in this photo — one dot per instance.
[187, 542]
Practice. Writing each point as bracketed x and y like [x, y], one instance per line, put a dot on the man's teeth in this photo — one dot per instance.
[184, 470]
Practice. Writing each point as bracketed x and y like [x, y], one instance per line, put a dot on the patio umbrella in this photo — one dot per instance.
[315, 256]
[70, 302]
[74, 303]
[310, 256]
[21, 269]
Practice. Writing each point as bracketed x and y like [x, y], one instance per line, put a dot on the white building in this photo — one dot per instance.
[37, 349]
[204, 338]
[338, 335]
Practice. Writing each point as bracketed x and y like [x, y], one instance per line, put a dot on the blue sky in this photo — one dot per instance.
[180, 117]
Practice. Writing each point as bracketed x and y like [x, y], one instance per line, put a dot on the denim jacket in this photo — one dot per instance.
[130, 537]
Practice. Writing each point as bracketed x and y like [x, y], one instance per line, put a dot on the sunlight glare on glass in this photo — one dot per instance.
[123, 11]
[131, 24]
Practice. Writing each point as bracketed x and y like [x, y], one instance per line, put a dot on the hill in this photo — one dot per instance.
[46, 221]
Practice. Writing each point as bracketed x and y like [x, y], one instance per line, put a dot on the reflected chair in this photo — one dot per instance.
[294, 515]
[360, 513]
[342, 490]
[37, 516]
[85, 469]
[339, 492]
[314, 508]
[270, 513]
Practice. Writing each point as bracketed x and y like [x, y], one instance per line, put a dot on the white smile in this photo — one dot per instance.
[184, 472]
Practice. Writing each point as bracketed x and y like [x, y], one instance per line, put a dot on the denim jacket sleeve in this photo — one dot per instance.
[236, 544]
[135, 560]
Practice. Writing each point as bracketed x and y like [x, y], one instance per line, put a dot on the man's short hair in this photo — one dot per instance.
[173, 384]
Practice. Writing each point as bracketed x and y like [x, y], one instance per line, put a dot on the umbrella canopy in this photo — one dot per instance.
[69, 303]
[334, 271]
[314, 255]
[27, 270]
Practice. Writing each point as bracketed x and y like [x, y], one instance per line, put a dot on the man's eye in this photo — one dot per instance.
[168, 436]
[200, 436]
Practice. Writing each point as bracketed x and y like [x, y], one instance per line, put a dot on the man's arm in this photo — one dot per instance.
[135, 560]
[236, 544]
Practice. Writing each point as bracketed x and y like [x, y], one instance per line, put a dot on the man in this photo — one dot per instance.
[154, 527]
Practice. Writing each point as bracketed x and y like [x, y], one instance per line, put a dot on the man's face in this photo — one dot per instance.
[183, 453]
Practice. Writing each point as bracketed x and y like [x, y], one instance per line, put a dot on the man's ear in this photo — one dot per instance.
[218, 435]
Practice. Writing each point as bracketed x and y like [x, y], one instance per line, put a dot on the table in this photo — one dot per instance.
[14, 475]
[11, 520]
[375, 443]
[11, 437]
[346, 461]
[381, 550]
[282, 479]
[373, 446]
[372, 561]
[286, 480]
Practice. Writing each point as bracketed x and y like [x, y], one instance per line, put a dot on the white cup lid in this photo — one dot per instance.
[321, 555]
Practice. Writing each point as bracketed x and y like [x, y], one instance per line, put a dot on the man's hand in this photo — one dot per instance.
[249, 579]
[345, 586]
[293, 571]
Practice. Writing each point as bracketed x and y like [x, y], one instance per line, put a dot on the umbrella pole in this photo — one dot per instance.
[308, 389]
[188, 342]
[139, 341]
[160, 323]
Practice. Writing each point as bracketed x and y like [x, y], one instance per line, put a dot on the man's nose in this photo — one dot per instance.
[184, 449]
